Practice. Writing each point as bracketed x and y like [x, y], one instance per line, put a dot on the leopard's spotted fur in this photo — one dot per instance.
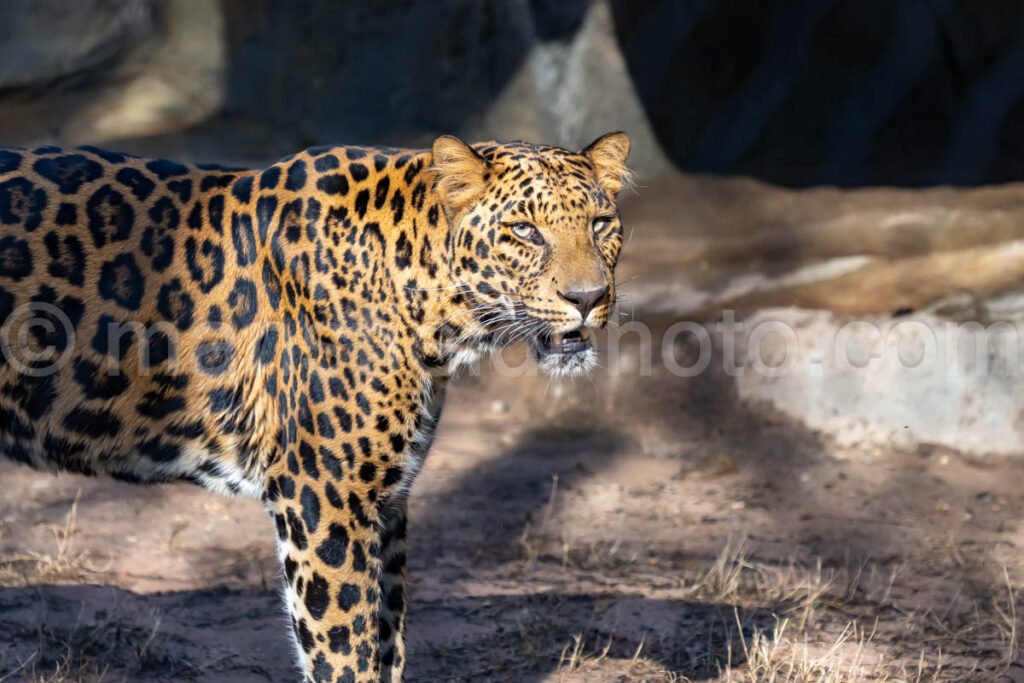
[286, 333]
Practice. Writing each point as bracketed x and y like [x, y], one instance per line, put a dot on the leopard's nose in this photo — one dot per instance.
[585, 300]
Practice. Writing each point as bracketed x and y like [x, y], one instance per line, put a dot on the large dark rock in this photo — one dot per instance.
[43, 41]
[903, 92]
[797, 92]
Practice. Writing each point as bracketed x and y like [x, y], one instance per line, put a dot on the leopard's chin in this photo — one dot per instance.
[567, 354]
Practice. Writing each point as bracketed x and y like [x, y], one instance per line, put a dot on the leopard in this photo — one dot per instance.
[288, 332]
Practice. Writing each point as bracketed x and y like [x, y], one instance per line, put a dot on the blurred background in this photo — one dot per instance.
[812, 92]
[729, 500]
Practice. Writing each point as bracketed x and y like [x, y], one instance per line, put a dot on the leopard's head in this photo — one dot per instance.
[536, 236]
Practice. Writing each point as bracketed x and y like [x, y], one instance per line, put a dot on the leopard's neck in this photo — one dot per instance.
[359, 242]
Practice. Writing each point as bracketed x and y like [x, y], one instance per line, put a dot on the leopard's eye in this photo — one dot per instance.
[602, 222]
[523, 230]
[526, 232]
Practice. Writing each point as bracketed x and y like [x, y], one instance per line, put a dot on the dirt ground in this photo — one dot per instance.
[631, 526]
[623, 528]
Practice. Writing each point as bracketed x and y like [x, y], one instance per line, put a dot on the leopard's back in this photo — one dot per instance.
[120, 313]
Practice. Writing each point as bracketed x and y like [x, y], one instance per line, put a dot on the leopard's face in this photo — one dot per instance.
[536, 242]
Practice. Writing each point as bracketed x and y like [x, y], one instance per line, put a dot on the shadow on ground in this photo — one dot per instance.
[239, 635]
[601, 516]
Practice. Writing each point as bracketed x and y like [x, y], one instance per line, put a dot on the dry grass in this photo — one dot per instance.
[533, 543]
[734, 578]
[823, 624]
[84, 653]
[766, 658]
[1009, 623]
[64, 657]
[63, 565]
[575, 661]
[850, 658]
[65, 672]
[68, 670]
[808, 644]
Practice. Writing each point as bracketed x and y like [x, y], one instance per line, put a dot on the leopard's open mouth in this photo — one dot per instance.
[564, 354]
[565, 344]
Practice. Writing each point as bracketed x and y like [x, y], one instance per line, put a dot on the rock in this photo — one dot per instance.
[392, 73]
[703, 244]
[897, 382]
[42, 41]
[798, 93]
[137, 69]
[570, 91]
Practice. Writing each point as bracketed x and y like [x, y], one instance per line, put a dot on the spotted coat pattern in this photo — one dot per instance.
[287, 333]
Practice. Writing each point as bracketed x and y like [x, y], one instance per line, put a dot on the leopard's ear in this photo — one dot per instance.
[608, 155]
[460, 172]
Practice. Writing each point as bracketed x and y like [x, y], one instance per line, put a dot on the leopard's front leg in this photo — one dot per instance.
[329, 537]
[392, 592]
